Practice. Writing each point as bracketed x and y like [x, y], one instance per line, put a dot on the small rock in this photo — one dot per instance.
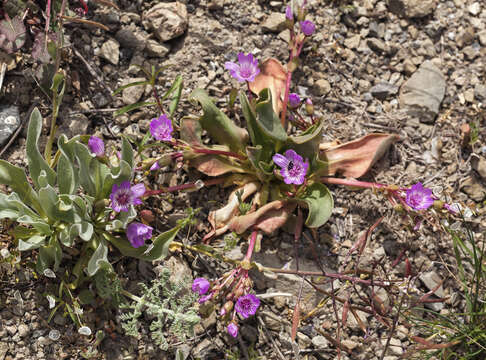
[480, 92]
[204, 349]
[323, 87]
[350, 344]
[11, 330]
[471, 52]
[156, 49]
[73, 124]
[166, 20]
[132, 94]
[3, 350]
[179, 270]
[110, 51]
[23, 330]
[377, 45]
[482, 37]
[383, 90]
[473, 188]
[395, 346]
[320, 342]
[431, 280]
[422, 94]
[216, 5]
[466, 37]
[412, 8]
[275, 22]
[409, 67]
[9, 122]
[474, 9]
[129, 37]
[352, 42]
[478, 163]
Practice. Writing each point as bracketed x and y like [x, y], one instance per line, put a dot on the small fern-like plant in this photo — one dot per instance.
[171, 305]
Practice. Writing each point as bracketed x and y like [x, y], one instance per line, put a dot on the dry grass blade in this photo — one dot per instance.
[107, 3]
[87, 22]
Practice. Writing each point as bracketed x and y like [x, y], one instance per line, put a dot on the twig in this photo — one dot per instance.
[2, 74]
[17, 132]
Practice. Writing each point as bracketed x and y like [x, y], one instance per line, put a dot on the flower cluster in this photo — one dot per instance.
[232, 286]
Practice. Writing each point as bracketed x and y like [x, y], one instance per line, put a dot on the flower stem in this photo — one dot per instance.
[354, 183]
[183, 187]
[218, 152]
[251, 245]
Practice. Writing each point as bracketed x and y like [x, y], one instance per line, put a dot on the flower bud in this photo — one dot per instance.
[227, 307]
[438, 204]
[147, 216]
[309, 107]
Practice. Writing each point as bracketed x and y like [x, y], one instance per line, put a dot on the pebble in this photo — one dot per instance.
[23, 330]
[431, 279]
[132, 94]
[110, 50]
[383, 90]
[166, 20]
[322, 86]
[275, 22]
[156, 49]
[412, 8]
[473, 188]
[320, 342]
[9, 122]
[474, 9]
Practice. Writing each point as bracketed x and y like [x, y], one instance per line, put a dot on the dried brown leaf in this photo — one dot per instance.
[273, 76]
[355, 158]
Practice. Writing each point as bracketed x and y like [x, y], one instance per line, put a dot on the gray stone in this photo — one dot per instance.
[478, 163]
[383, 90]
[352, 42]
[431, 280]
[110, 50]
[423, 93]
[100, 100]
[395, 345]
[129, 37]
[412, 8]
[9, 122]
[320, 342]
[323, 87]
[473, 188]
[166, 20]
[156, 49]
[474, 9]
[23, 330]
[275, 22]
[377, 45]
[132, 94]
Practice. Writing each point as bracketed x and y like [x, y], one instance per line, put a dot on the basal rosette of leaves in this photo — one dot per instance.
[67, 206]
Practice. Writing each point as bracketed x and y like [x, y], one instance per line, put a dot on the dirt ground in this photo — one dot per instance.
[354, 69]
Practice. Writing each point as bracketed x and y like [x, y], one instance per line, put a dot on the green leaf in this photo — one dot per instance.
[127, 152]
[8, 210]
[318, 199]
[68, 182]
[86, 297]
[176, 91]
[122, 220]
[158, 251]
[83, 229]
[217, 124]
[15, 177]
[34, 158]
[53, 206]
[131, 107]
[38, 224]
[84, 159]
[267, 119]
[136, 83]
[33, 242]
[118, 174]
[307, 143]
[57, 94]
[256, 136]
[99, 257]
[49, 256]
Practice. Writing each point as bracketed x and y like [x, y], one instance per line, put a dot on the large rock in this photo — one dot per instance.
[166, 20]
[412, 8]
[275, 22]
[9, 122]
[423, 93]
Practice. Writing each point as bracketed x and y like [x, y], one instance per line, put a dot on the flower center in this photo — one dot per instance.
[294, 169]
[123, 198]
[290, 165]
[245, 72]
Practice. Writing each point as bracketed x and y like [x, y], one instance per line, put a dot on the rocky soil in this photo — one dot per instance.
[415, 68]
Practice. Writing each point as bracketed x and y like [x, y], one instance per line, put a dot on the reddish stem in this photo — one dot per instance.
[219, 152]
[183, 187]
[351, 182]
[251, 245]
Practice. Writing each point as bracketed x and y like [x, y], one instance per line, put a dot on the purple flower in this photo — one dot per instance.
[200, 285]
[418, 197]
[246, 70]
[307, 27]
[247, 305]
[161, 128]
[205, 298]
[293, 167]
[288, 13]
[294, 100]
[233, 329]
[124, 195]
[137, 233]
[96, 146]
[155, 166]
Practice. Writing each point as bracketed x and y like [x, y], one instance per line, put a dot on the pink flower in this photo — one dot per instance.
[418, 197]
[137, 233]
[246, 70]
[155, 166]
[96, 146]
[247, 305]
[293, 167]
[200, 285]
[233, 329]
[288, 13]
[307, 27]
[161, 128]
[294, 100]
[124, 195]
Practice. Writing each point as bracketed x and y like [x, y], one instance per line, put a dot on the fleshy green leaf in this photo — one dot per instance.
[99, 257]
[118, 174]
[34, 158]
[217, 124]
[307, 143]
[176, 91]
[50, 256]
[84, 159]
[15, 177]
[127, 152]
[33, 242]
[68, 181]
[267, 119]
[319, 201]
